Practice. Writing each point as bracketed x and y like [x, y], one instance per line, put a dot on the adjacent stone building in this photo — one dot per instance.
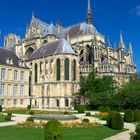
[14, 80]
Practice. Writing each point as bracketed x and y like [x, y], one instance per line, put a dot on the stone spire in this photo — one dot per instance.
[121, 44]
[108, 43]
[89, 14]
[115, 45]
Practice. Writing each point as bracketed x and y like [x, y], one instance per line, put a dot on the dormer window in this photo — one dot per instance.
[21, 63]
[9, 60]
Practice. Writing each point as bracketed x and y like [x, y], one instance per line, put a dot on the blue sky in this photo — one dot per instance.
[110, 17]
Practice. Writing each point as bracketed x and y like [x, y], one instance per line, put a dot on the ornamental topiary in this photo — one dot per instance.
[129, 116]
[30, 112]
[9, 114]
[88, 114]
[76, 106]
[85, 120]
[29, 119]
[137, 115]
[117, 122]
[136, 135]
[0, 108]
[109, 118]
[53, 130]
[81, 109]
[7, 118]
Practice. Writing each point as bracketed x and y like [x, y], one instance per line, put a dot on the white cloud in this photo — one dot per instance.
[136, 10]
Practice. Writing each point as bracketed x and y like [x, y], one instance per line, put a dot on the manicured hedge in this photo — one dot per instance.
[29, 119]
[117, 122]
[53, 130]
[137, 115]
[129, 116]
[88, 114]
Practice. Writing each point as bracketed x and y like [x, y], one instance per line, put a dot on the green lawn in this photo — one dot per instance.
[95, 133]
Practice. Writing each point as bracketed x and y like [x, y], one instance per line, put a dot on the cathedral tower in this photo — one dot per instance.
[89, 18]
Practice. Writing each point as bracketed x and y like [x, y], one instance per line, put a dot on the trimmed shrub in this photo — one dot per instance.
[137, 115]
[66, 113]
[85, 120]
[0, 108]
[53, 130]
[129, 116]
[88, 114]
[81, 109]
[117, 122]
[104, 109]
[29, 119]
[109, 118]
[7, 118]
[31, 112]
[76, 107]
[9, 114]
[28, 107]
[136, 135]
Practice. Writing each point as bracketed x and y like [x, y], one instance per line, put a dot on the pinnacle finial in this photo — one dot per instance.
[108, 43]
[121, 44]
[121, 37]
[33, 14]
[89, 14]
[115, 45]
[130, 51]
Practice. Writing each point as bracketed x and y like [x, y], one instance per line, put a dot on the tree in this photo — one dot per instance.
[97, 90]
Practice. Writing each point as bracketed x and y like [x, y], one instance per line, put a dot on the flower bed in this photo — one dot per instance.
[41, 124]
[101, 115]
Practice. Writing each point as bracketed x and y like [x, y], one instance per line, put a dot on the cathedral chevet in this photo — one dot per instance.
[58, 56]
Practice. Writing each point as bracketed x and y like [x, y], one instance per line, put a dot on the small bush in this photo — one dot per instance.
[136, 135]
[88, 114]
[28, 107]
[53, 130]
[9, 114]
[66, 113]
[104, 109]
[129, 116]
[29, 119]
[81, 109]
[117, 122]
[0, 108]
[85, 120]
[76, 107]
[109, 118]
[137, 115]
[31, 112]
[7, 118]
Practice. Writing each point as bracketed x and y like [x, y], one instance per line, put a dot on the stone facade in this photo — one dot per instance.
[46, 44]
[14, 81]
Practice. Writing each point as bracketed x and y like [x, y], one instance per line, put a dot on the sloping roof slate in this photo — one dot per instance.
[58, 47]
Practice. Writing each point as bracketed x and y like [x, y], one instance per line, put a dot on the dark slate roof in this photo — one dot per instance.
[57, 47]
[5, 54]
[80, 29]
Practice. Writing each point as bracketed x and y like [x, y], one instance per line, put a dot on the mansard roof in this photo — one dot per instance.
[80, 29]
[6, 54]
[57, 47]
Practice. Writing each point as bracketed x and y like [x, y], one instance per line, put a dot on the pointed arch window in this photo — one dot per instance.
[74, 70]
[66, 102]
[58, 68]
[57, 103]
[36, 73]
[66, 69]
